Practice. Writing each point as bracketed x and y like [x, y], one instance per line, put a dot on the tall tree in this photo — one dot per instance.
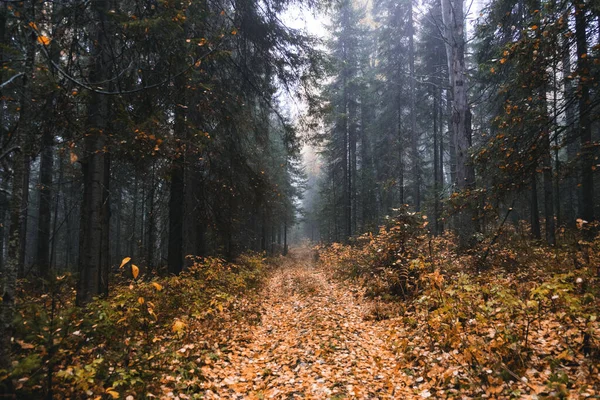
[94, 225]
[454, 35]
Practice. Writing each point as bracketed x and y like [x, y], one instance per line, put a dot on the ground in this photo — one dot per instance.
[313, 342]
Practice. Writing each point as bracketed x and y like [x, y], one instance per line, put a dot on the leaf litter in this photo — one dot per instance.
[313, 342]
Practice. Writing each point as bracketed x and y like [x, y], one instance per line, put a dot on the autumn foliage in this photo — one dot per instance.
[525, 325]
[143, 340]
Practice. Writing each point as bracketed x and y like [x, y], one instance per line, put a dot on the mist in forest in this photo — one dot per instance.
[198, 140]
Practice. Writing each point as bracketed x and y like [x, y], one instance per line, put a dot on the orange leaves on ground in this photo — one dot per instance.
[178, 326]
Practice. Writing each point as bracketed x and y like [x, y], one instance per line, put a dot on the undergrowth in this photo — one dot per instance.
[150, 337]
[524, 325]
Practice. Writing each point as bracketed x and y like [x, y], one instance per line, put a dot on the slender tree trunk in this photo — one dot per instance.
[4, 207]
[346, 162]
[25, 205]
[557, 166]
[44, 212]
[451, 144]
[55, 227]
[352, 175]
[118, 223]
[400, 150]
[436, 162]
[4, 200]
[133, 237]
[414, 136]
[585, 127]
[572, 144]
[548, 192]
[285, 243]
[441, 156]
[95, 213]
[535, 214]
[176, 200]
[151, 241]
[27, 149]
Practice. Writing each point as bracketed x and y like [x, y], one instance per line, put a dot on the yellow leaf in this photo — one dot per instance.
[157, 285]
[125, 261]
[135, 271]
[73, 157]
[534, 27]
[33, 25]
[45, 40]
[113, 394]
[492, 70]
[178, 326]
[141, 300]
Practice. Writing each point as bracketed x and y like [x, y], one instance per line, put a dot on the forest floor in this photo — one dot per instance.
[313, 342]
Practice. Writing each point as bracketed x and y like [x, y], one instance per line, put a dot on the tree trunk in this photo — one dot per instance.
[451, 145]
[436, 162]
[453, 16]
[548, 192]
[441, 156]
[414, 136]
[94, 257]
[345, 159]
[176, 200]
[535, 214]
[44, 213]
[151, 241]
[572, 145]
[400, 151]
[25, 204]
[132, 237]
[585, 127]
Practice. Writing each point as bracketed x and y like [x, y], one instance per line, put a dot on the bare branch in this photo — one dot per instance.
[8, 82]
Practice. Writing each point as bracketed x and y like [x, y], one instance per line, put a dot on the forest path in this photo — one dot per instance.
[313, 343]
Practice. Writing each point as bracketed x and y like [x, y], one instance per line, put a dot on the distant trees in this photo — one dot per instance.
[525, 137]
[383, 98]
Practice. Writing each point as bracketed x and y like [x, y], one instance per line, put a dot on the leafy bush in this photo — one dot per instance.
[388, 263]
[135, 341]
[525, 324]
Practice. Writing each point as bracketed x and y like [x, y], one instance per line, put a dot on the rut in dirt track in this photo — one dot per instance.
[313, 342]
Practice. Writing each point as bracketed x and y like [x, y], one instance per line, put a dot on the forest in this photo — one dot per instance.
[281, 199]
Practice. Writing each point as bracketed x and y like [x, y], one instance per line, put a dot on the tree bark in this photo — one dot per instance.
[572, 144]
[535, 214]
[453, 17]
[44, 213]
[176, 199]
[585, 127]
[94, 257]
[548, 191]
[414, 136]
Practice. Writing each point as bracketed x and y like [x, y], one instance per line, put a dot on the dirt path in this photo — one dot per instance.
[312, 343]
